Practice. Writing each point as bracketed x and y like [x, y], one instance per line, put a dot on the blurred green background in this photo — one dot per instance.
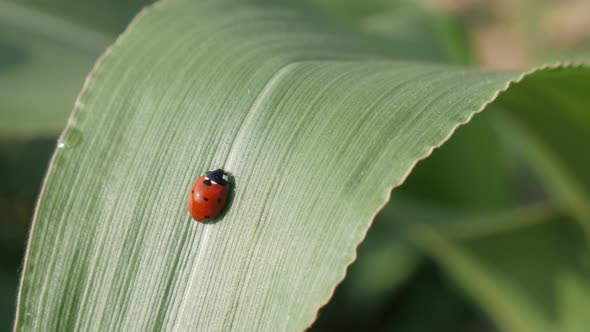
[48, 47]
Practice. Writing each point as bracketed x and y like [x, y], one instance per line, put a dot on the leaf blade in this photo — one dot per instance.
[143, 132]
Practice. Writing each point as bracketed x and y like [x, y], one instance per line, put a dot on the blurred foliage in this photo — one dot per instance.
[41, 41]
[516, 34]
[22, 166]
[527, 276]
[108, 16]
[406, 29]
[534, 278]
[32, 104]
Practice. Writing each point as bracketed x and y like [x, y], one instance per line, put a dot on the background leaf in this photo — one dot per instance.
[37, 49]
[522, 278]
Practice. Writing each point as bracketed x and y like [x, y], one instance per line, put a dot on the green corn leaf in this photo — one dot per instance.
[315, 125]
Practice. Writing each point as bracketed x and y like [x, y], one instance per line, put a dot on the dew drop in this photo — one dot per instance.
[72, 138]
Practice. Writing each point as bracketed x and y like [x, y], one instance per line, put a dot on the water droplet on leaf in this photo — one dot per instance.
[72, 138]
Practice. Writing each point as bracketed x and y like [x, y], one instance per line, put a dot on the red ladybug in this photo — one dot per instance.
[208, 195]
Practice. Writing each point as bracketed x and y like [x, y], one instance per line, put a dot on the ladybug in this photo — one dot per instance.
[208, 195]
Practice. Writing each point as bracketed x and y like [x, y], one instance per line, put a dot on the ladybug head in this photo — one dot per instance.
[219, 176]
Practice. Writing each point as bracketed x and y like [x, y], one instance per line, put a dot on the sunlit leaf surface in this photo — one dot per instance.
[315, 126]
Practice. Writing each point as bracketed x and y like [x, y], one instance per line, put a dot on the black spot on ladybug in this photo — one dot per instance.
[207, 217]
[207, 182]
[205, 198]
[192, 191]
[219, 200]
